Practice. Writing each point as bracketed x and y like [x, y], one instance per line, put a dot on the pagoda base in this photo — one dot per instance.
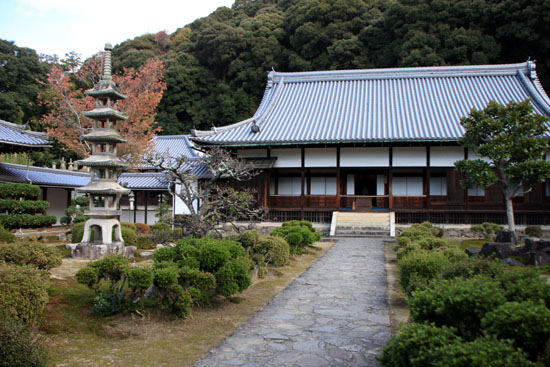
[92, 251]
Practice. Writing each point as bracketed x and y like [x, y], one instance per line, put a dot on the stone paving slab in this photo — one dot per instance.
[334, 314]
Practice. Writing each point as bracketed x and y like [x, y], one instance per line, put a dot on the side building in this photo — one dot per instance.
[379, 140]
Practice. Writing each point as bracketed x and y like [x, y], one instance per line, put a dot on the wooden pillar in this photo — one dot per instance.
[302, 193]
[45, 193]
[338, 180]
[267, 188]
[390, 179]
[135, 206]
[146, 198]
[68, 197]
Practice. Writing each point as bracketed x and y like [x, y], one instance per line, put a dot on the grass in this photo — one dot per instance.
[75, 337]
[472, 243]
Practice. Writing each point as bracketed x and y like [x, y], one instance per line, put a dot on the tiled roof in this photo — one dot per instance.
[15, 134]
[377, 105]
[174, 146]
[42, 176]
[144, 181]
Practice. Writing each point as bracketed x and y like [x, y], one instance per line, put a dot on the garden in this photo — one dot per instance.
[190, 294]
[467, 310]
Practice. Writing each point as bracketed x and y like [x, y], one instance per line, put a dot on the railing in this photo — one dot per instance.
[521, 218]
[364, 202]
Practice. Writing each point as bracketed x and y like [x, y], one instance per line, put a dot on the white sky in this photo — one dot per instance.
[60, 26]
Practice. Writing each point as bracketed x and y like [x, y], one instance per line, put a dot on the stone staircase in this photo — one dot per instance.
[354, 224]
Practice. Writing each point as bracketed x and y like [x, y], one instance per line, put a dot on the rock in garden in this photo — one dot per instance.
[505, 237]
[513, 262]
[472, 251]
[145, 254]
[539, 259]
[499, 250]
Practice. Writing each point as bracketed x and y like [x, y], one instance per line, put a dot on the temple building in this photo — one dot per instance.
[378, 140]
[104, 192]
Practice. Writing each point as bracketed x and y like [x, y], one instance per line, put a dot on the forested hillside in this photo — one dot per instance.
[216, 66]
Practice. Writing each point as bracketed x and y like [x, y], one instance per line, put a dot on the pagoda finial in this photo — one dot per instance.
[107, 63]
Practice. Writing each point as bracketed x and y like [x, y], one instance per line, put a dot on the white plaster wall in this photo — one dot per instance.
[445, 156]
[320, 157]
[473, 155]
[287, 158]
[409, 157]
[58, 202]
[364, 157]
[180, 207]
[350, 185]
[252, 153]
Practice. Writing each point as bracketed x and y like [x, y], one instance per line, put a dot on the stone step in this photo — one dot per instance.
[362, 233]
[363, 228]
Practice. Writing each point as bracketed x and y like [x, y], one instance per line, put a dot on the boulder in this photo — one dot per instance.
[145, 254]
[472, 251]
[505, 237]
[496, 249]
[513, 262]
[539, 258]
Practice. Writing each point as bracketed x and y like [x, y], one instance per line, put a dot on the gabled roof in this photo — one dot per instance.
[174, 146]
[42, 176]
[14, 134]
[377, 105]
[144, 181]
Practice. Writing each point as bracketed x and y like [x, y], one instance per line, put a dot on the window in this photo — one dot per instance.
[290, 186]
[547, 187]
[323, 186]
[476, 191]
[438, 186]
[407, 186]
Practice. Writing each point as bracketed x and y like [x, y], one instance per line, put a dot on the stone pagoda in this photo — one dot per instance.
[102, 232]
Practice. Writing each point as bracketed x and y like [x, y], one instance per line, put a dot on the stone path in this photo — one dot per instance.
[334, 314]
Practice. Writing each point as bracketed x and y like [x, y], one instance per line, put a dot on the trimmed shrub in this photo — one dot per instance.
[523, 285]
[88, 275]
[165, 254]
[249, 239]
[177, 300]
[6, 236]
[424, 265]
[533, 231]
[23, 293]
[417, 345]
[213, 256]
[17, 190]
[14, 221]
[275, 250]
[77, 232]
[482, 352]
[526, 323]
[298, 234]
[145, 243]
[129, 235]
[23, 206]
[487, 230]
[112, 267]
[457, 302]
[140, 278]
[161, 232]
[232, 278]
[18, 347]
[472, 266]
[165, 277]
[142, 228]
[31, 253]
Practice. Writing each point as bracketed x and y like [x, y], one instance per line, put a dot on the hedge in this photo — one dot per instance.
[14, 221]
[16, 190]
[23, 206]
[31, 253]
[18, 347]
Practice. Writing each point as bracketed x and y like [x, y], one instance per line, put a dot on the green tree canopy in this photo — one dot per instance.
[513, 140]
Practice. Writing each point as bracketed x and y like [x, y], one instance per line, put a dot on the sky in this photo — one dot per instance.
[61, 26]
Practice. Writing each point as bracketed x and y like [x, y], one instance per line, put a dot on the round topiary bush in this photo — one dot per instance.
[231, 278]
[294, 239]
[30, 253]
[23, 293]
[249, 239]
[417, 345]
[423, 264]
[523, 285]
[212, 256]
[18, 347]
[140, 278]
[527, 324]
[275, 250]
[457, 302]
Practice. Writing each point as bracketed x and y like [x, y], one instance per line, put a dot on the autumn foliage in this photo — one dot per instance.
[67, 101]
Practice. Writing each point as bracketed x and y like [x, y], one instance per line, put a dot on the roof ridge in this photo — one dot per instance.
[46, 169]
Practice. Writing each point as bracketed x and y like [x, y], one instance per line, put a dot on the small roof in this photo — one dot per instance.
[18, 135]
[103, 187]
[377, 105]
[175, 146]
[102, 160]
[144, 181]
[42, 176]
[106, 135]
[101, 113]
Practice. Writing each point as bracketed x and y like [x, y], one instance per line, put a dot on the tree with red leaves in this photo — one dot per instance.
[67, 101]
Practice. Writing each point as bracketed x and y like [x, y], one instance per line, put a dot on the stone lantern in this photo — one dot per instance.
[102, 232]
